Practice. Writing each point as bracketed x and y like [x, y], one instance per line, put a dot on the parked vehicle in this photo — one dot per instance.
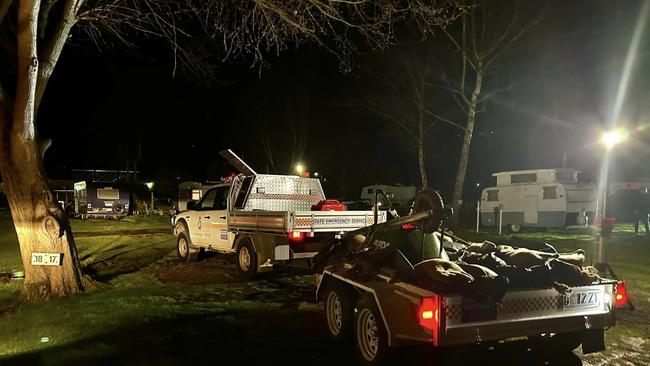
[101, 200]
[538, 198]
[188, 191]
[382, 305]
[264, 218]
[400, 196]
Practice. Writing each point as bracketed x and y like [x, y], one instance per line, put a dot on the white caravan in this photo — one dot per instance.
[538, 198]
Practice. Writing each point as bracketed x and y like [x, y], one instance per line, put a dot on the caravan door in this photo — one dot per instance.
[530, 209]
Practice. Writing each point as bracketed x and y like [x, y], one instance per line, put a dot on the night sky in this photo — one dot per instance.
[564, 73]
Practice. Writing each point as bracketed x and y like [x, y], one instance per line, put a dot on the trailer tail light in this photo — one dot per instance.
[429, 315]
[621, 294]
[310, 234]
[296, 235]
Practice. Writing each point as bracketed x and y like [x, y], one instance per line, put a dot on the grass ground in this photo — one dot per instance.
[159, 310]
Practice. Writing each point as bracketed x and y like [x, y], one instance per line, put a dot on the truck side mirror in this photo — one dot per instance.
[191, 205]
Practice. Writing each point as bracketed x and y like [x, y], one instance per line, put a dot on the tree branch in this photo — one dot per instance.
[489, 59]
[27, 57]
[54, 46]
[4, 8]
[387, 115]
[491, 93]
[443, 119]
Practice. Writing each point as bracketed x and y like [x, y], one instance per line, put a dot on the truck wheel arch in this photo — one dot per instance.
[186, 228]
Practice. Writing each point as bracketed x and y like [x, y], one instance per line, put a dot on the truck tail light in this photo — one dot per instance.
[296, 235]
[430, 315]
[310, 234]
[621, 294]
[409, 227]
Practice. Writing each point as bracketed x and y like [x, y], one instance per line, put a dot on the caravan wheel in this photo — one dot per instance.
[515, 228]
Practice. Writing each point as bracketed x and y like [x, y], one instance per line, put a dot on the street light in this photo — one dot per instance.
[299, 168]
[150, 186]
[614, 137]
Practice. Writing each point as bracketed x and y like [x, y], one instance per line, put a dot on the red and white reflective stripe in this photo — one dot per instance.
[266, 221]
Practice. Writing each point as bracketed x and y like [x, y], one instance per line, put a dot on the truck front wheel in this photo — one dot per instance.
[370, 336]
[246, 260]
[338, 312]
[184, 247]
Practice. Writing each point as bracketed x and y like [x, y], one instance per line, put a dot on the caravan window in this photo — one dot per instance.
[493, 195]
[549, 193]
[565, 177]
[108, 194]
[370, 190]
[523, 178]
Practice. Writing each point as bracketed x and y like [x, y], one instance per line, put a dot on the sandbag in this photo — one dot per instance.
[476, 270]
[487, 260]
[354, 243]
[571, 274]
[576, 258]
[482, 248]
[444, 274]
[523, 257]
[532, 244]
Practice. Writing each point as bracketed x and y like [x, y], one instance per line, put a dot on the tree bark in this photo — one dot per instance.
[41, 225]
[467, 142]
[423, 172]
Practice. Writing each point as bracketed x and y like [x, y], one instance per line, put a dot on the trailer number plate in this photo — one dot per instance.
[582, 299]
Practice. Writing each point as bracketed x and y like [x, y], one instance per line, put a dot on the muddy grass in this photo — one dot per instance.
[161, 310]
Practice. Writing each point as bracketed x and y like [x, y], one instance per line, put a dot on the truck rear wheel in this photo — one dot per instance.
[338, 312]
[246, 260]
[370, 336]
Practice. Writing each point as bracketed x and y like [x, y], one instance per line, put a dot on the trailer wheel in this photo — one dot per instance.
[246, 260]
[557, 342]
[515, 228]
[370, 336]
[338, 312]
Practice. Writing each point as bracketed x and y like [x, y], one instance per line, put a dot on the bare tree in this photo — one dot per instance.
[408, 99]
[478, 41]
[34, 32]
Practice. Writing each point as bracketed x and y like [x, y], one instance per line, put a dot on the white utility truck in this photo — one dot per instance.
[380, 306]
[264, 219]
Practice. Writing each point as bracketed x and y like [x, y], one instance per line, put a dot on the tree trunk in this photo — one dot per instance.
[464, 152]
[423, 171]
[41, 225]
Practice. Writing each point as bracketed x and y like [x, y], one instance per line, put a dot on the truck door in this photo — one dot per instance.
[220, 238]
[200, 228]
